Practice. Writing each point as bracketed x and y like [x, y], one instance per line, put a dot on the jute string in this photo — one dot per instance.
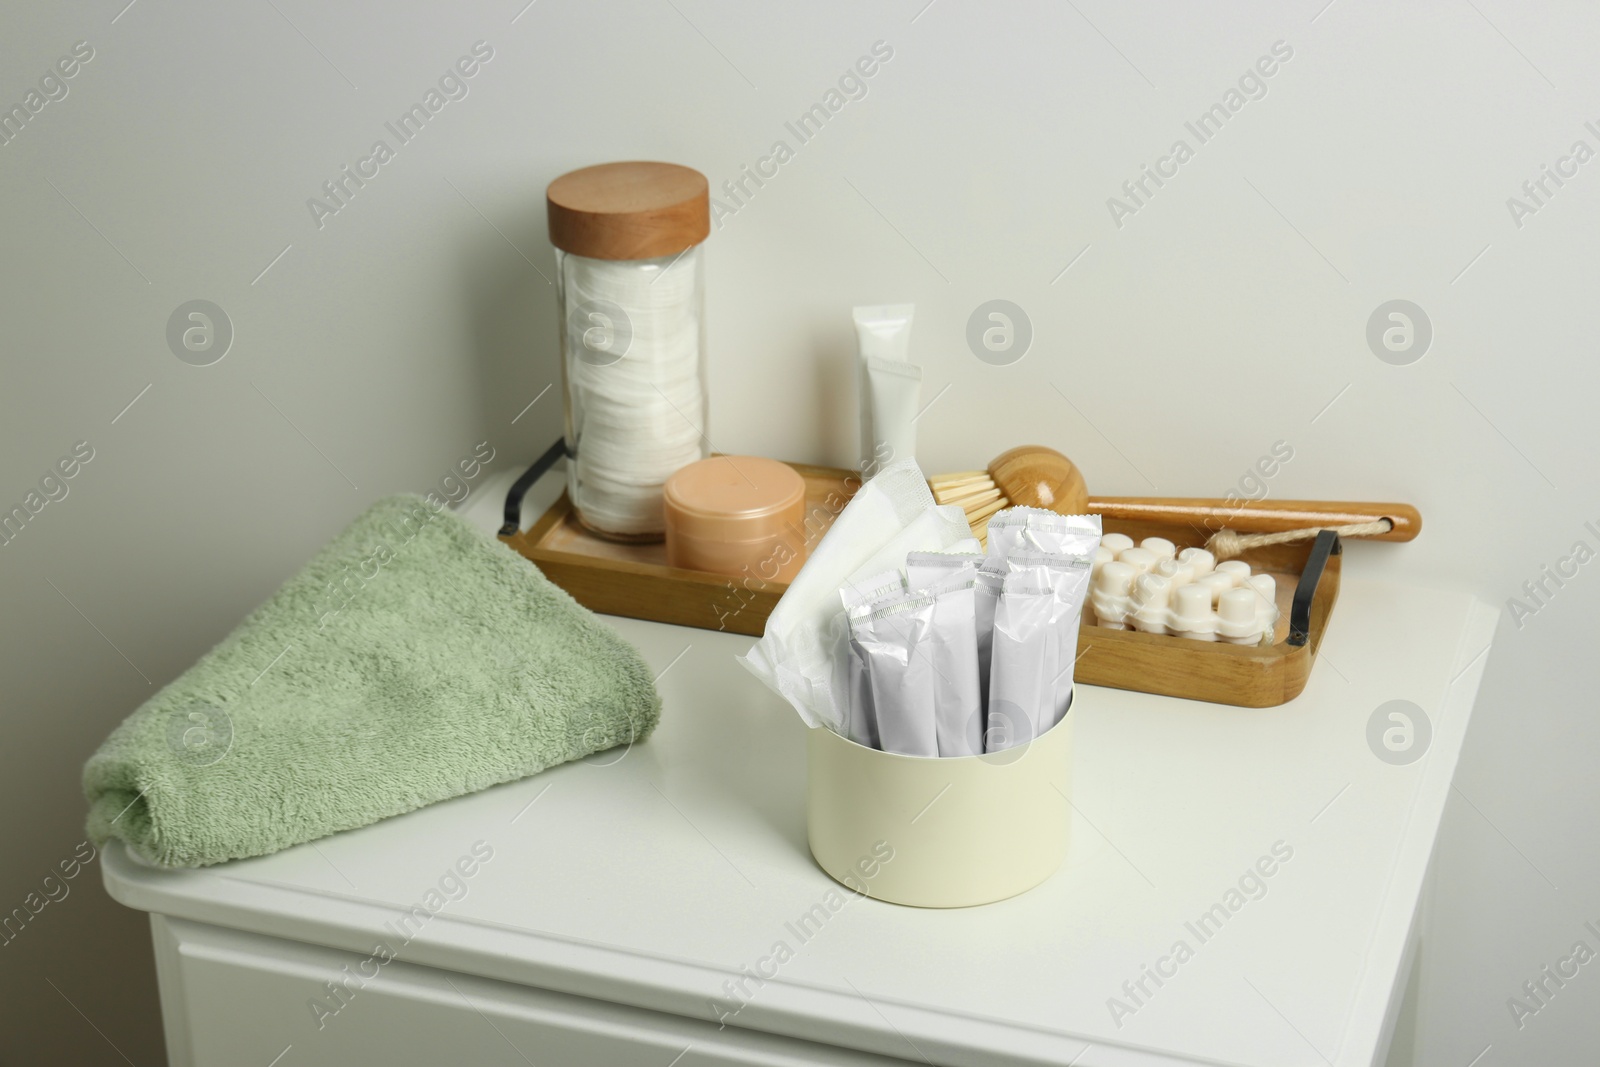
[1226, 544]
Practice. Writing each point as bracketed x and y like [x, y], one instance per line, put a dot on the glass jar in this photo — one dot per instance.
[631, 295]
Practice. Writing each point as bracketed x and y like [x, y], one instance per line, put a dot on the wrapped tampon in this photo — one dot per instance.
[895, 642]
[957, 698]
[987, 586]
[859, 599]
[1020, 688]
[927, 569]
[1068, 579]
[1036, 530]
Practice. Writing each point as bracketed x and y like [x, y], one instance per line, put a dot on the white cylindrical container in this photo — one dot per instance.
[939, 832]
[630, 285]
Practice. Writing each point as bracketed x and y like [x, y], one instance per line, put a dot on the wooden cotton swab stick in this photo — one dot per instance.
[1035, 476]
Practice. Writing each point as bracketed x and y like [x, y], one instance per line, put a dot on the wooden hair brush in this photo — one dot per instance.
[1040, 477]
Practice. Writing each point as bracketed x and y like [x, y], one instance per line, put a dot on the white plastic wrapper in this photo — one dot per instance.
[861, 724]
[1068, 579]
[895, 642]
[1047, 560]
[804, 654]
[986, 592]
[957, 698]
[1036, 530]
[1024, 648]
[935, 530]
[958, 694]
[927, 569]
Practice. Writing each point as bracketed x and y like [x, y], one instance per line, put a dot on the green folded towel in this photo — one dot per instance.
[413, 660]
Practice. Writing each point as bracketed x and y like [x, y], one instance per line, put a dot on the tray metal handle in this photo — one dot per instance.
[1327, 544]
[519, 489]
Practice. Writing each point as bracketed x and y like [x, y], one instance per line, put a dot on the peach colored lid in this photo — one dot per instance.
[735, 498]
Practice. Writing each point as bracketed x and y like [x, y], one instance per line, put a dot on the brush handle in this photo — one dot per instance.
[1258, 516]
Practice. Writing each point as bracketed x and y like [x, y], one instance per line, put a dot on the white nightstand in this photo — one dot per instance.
[627, 893]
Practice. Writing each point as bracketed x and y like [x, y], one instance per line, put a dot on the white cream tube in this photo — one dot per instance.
[883, 331]
[895, 386]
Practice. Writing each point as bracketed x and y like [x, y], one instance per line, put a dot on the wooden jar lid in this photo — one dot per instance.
[629, 210]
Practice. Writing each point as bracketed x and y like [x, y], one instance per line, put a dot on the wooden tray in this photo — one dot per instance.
[635, 581]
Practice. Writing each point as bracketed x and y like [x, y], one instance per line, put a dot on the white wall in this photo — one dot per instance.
[1223, 316]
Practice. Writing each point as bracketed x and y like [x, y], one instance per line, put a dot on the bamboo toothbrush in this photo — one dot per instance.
[1040, 477]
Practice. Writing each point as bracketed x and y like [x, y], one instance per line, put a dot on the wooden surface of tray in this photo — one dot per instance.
[634, 580]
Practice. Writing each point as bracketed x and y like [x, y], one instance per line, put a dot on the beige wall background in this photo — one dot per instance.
[1172, 346]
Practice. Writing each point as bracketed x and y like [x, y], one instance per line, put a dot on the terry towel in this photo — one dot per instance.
[413, 660]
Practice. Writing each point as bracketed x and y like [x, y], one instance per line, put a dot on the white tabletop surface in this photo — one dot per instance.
[649, 876]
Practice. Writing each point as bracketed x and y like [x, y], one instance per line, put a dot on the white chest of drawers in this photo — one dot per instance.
[635, 899]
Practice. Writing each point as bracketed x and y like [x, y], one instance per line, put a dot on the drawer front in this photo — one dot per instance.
[232, 998]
